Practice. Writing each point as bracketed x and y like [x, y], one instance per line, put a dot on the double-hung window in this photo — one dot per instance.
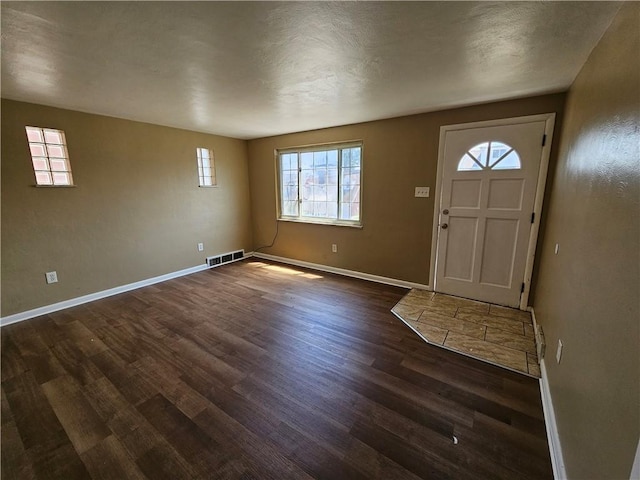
[321, 184]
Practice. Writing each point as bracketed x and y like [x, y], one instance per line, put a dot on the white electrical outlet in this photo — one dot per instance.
[334, 248]
[422, 192]
[200, 247]
[52, 277]
[559, 351]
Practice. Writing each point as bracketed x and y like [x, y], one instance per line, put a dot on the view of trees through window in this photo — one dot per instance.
[321, 183]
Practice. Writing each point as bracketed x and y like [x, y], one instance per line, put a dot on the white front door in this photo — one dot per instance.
[488, 190]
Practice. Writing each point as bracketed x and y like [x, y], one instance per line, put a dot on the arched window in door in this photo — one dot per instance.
[492, 155]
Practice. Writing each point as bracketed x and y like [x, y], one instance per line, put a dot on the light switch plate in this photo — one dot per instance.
[422, 192]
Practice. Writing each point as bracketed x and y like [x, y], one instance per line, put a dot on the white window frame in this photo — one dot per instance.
[43, 163]
[206, 174]
[316, 219]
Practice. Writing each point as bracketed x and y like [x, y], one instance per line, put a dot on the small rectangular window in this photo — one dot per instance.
[321, 184]
[206, 168]
[49, 157]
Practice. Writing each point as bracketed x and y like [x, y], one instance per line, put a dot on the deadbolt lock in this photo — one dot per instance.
[445, 211]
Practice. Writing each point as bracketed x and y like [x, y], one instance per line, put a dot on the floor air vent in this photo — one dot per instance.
[225, 258]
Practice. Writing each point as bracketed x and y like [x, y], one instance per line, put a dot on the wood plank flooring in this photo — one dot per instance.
[256, 370]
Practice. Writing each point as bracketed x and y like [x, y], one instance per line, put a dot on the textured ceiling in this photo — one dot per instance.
[253, 69]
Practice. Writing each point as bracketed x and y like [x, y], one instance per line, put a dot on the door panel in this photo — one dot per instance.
[465, 193]
[500, 236]
[505, 194]
[462, 240]
[489, 180]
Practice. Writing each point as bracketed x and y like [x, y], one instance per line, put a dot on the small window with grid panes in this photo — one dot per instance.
[206, 168]
[49, 157]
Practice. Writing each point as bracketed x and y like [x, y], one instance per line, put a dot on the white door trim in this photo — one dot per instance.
[549, 119]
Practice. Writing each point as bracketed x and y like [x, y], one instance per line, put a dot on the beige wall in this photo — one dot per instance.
[399, 154]
[136, 213]
[588, 294]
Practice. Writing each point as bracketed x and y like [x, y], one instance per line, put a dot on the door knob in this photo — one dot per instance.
[444, 226]
[445, 211]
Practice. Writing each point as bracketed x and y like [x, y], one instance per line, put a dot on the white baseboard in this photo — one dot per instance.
[555, 449]
[635, 469]
[342, 271]
[36, 312]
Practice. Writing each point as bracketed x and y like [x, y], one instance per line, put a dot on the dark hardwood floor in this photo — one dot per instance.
[257, 370]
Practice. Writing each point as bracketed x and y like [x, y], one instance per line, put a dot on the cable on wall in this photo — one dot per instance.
[272, 241]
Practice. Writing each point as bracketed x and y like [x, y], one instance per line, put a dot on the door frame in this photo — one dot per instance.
[549, 119]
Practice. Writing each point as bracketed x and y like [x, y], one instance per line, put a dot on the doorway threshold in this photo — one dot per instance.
[498, 335]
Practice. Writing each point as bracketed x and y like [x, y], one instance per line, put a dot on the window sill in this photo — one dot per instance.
[54, 186]
[333, 223]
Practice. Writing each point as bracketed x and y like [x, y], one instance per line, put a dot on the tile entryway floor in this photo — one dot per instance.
[499, 335]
